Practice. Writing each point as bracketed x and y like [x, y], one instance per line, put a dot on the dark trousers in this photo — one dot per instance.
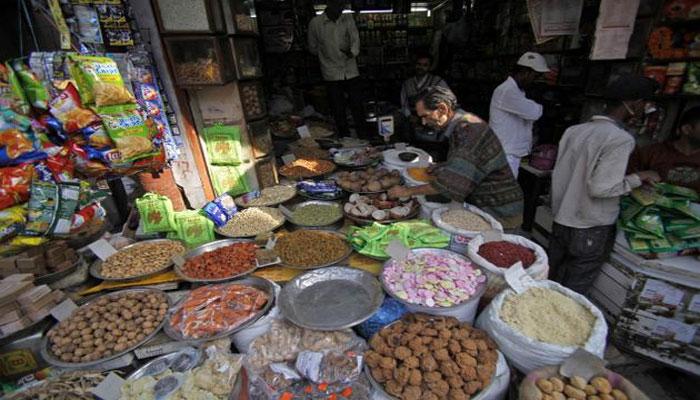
[336, 99]
[576, 255]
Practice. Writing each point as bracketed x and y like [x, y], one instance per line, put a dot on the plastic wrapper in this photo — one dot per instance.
[35, 92]
[19, 243]
[329, 367]
[223, 143]
[391, 310]
[156, 213]
[193, 228]
[17, 147]
[372, 240]
[99, 81]
[14, 184]
[678, 191]
[221, 209]
[649, 221]
[318, 186]
[11, 94]
[51, 207]
[66, 107]
[127, 129]
[87, 216]
[211, 310]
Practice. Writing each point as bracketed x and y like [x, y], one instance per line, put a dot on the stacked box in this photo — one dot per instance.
[22, 303]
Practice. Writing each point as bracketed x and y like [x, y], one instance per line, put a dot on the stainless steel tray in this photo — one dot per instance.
[369, 221]
[191, 355]
[282, 221]
[422, 308]
[239, 200]
[258, 283]
[402, 182]
[58, 275]
[328, 264]
[319, 202]
[96, 267]
[331, 298]
[205, 248]
[46, 354]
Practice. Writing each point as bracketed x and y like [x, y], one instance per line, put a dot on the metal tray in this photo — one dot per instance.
[58, 275]
[422, 308]
[369, 163]
[369, 221]
[401, 183]
[258, 283]
[328, 264]
[49, 358]
[239, 200]
[205, 248]
[159, 364]
[310, 202]
[331, 298]
[96, 267]
[282, 221]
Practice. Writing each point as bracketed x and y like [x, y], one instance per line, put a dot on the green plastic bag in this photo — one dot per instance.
[649, 221]
[223, 144]
[156, 213]
[228, 179]
[127, 129]
[680, 191]
[193, 228]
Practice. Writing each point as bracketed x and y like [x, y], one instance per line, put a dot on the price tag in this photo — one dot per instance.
[582, 363]
[516, 278]
[110, 388]
[303, 131]
[63, 310]
[288, 158]
[271, 242]
[397, 250]
[102, 249]
[400, 146]
[265, 258]
[178, 260]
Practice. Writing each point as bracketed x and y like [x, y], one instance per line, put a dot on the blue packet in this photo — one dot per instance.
[215, 213]
[227, 205]
[318, 186]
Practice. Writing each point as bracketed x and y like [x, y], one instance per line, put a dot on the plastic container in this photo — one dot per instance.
[460, 238]
[464, 312]
[393, 162]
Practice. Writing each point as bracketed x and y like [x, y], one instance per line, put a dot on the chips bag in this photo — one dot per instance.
[128, 130]
[11, 93]
[14, 184]
[156, 213]
[36, 93]
[66, 107]
[193, 228]
[99, 81]
[43, 205]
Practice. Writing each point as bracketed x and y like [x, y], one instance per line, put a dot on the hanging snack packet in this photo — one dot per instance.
[66, 107]
[99, 81]
[97, 137]
[128, 130]
[43, 205]
[156, 213]
[223, 144]
[11, 93]
[16, 147]
[194, 228]
[35, 91]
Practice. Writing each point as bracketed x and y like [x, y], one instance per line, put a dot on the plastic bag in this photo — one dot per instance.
[127, 128]
[14, 184]
[221, 209]
[390, 311]
[156, 212]
[11, 94]
[223, 144]
[193, 228]
[17, 147]
[36, 93]
[496, 281]
[228, 179]
[12, 222]
[51, 208]
[66, 107]
[459, 238]
[527, 354]
[244, 337]
[99, 81]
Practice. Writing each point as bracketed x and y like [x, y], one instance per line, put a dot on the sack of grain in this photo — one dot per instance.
[538, 270]
[559, 314]
[447, 219]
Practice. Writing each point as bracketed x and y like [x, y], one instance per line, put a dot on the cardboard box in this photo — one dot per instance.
[35, 264]
[32, 296]
[9, 307]
[8, 266]
[14, 326]
[19, 278]
[50, 299]
[9, 290]
[10, 317]
[41, 313]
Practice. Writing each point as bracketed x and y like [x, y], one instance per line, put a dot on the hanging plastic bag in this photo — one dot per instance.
[99, 81]
[156, 212]
[193, 228]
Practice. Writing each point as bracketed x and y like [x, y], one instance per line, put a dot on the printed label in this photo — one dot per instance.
[671, 329]
[661, 293]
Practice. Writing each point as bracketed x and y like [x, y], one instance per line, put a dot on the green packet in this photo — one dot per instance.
[51, 208]
[649, 221]
[689, 233]
[678, 224]
[668, 189]
[645, 195]
[661, 246]
[630, 211]
[156, 213]
[127, 128]
[638, 245]
[193, 228]
[223, 143]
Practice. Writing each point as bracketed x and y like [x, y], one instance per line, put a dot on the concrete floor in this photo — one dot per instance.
[655, 380]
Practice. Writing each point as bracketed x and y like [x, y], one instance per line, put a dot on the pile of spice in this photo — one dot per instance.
[306, 168]
[548, 316]
[252, 222]
[223, 262]
[269, 196]
[504, 254]
[310, 248]
[317, 214]
[141, 259]
[465, 220]
[433, 279]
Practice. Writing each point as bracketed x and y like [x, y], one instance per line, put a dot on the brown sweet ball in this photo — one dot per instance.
[440, 388]
[411, 392]
[428, 363]
[457, 394]
[416, 378]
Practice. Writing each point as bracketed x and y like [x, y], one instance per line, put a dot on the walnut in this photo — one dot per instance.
[378, 374]
[377, 342]
[428, 363]
[441, 355]
[393, 339]
[401, 375]
[485, 372]
[472, 387]
[430, 332]
[416, 378]
[437, 344]
[432, 376]
[372, 358]
[402, 353]
[444, 334]
[412, 393]
[455, 382]
[427, 395]
[387, 362]
[457, 394]
[440, 388]
[393, 388]
[465, 360]
[454, 346]
[415, 343]
[468, 344]
[411, 362]
[449, 368]
[415, 327]
[468, 373]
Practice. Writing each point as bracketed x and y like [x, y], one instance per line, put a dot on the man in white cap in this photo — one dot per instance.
[511, 113]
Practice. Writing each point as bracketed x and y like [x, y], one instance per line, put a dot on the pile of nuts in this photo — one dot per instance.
[141, 259]
[578, 388]
[430, 357]
[503, 254]
[466, 220]
[252, 222]
[250, 98]
[306, 168]
[110, 325]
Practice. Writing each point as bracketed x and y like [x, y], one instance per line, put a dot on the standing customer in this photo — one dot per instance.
[512, 114]
[420, 81]
[588, 180]
[333, 37]
[476, 170]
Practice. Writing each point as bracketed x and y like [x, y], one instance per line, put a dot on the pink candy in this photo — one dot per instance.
[432, 279]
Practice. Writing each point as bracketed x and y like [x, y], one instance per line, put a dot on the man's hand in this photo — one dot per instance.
[649, 177]
[399, 192]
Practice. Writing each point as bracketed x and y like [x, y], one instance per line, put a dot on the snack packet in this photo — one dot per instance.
[14, 184]
[156, 212]
[128, 130]
[16, 147]
[679, 191]
[649, 221]
[35, 91]
[96, 136]
[66, 107]
[43, 205]
[193, 228]
[99, 81]
[11, 93]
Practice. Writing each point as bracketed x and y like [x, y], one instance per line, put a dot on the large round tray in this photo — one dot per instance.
[282, 221]
[308, 176]
[311, 202]
[159, 364]
[258, 283]
[402, 182]
[369, 221]
[337, 196]
[328, 264]
[58, 275]
[96, 267]
[369, 163]
[205, 248]
[239, 200]
[429, 310]
[331, 298]
[46, 354]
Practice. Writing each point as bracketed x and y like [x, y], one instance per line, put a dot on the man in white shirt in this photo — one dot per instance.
[512, 114]
[333, 37]
[588, 180]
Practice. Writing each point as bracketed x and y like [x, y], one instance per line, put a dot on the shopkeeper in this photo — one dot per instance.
[511, 113]
[476, 170]
[676, 160]
[588, 180]
[416, 84]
